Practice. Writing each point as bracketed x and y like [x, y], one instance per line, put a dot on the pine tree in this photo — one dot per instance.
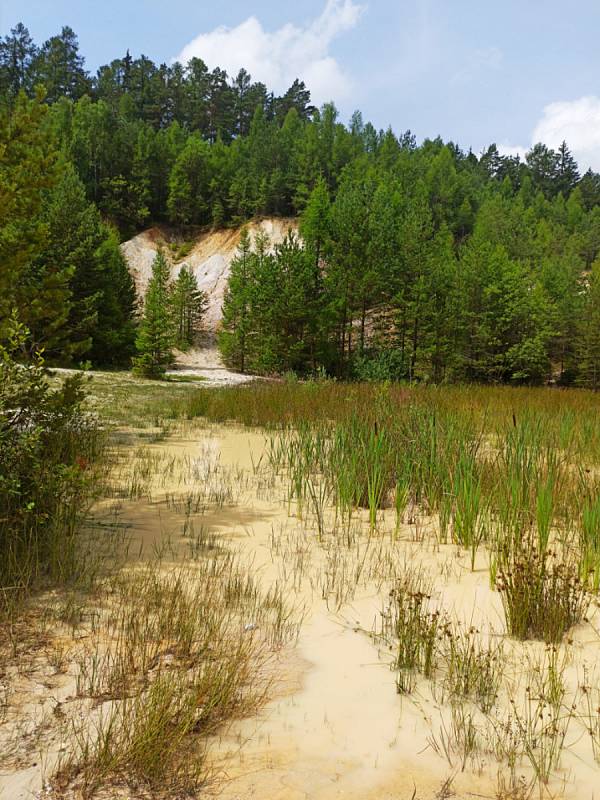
[567, 173]
[155, 334]
[543, 166]
[113, 338]
[236, 323]
[589, 186]
[60, 67]
[28, 169]
[588, 339]
[188, 305]
[188, 184]
[315, 229]
[17, 53]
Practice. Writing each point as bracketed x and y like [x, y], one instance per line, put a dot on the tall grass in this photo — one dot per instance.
[590, 540]
[493, 467]
[510, 474]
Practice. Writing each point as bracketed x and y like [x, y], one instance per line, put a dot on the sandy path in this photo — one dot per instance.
[197, 363]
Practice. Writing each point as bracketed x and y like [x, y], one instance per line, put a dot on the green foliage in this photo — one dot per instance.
[417, 262]
[64, 274]
[378, 366]
[188, 183]
[28, 167]
[59, 67]
[268, 312]
[47, 449]
[588, 345]
[188, 305]
[155, 336]
[235, 327]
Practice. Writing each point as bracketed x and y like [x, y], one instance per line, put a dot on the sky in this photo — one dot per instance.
[473, 72]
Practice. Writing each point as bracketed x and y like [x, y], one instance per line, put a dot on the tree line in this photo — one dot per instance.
[417, 261]
[384, 283]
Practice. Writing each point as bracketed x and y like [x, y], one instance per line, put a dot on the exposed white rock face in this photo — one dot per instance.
[209, 259]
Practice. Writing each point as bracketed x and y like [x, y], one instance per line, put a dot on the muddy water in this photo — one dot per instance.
[335, 726]
[338, 727]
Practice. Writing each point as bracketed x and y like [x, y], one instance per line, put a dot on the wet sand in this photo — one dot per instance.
[335, 726]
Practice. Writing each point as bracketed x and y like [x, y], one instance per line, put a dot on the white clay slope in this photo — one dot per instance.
[209, 259]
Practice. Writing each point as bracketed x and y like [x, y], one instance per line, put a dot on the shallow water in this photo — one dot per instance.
[335, 726]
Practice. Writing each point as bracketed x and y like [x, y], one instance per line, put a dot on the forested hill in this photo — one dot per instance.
[419, 260]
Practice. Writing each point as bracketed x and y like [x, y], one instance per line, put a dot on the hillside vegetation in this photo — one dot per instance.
[417, 260]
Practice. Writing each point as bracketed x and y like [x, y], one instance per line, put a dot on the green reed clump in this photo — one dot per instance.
[276, 405]
[534, 477]
[468, 513]
[478, 458]
[589, 540]
[362, 466]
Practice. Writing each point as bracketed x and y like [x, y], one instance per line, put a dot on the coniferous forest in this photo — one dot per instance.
[414, 261]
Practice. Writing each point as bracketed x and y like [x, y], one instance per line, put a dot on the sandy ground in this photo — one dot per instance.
[204, 363]
[336, 727]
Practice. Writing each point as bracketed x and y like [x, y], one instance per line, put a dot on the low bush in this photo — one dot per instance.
[48, 448]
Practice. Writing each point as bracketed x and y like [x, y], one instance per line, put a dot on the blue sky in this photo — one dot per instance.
[474, 72]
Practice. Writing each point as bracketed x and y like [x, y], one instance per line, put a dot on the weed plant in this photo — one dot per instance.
[542, 597]
[177, 652]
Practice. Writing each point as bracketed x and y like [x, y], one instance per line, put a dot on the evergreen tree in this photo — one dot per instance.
[77, 295]
[315, 229]
[589, 186]
[60, 67]
[567, 176]
[154, 340]
[543, 166]
[113, 337]
[283, 308]
[235, 332]
[28, 169]
[588, 338]
[422, 258]
[17, 54]
[247, 98]
[188, 306]
[188, 184]
[296, 97]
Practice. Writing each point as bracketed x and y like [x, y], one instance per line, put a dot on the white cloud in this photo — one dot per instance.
[576, 122]
[278, 57]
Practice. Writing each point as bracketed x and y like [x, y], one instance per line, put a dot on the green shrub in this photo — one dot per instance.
[48, 447]
[386, 365]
